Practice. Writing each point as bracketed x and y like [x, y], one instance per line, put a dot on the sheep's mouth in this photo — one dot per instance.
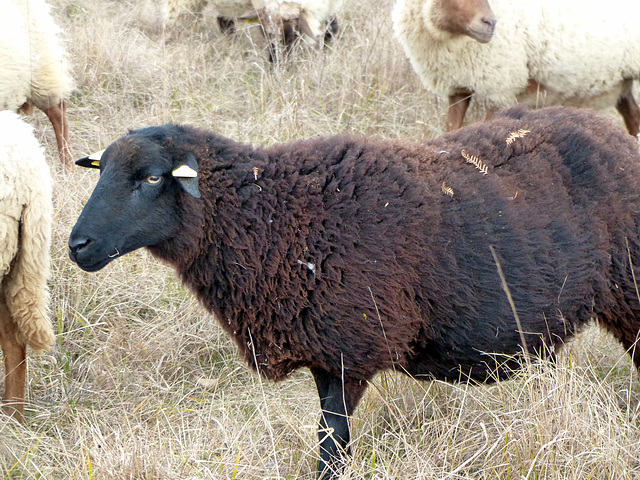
[89, 264]
[481, 36]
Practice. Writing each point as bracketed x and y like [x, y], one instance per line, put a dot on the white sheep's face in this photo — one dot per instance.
[135, 202]
[473, 18]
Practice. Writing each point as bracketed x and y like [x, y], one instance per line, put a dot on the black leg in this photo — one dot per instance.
[331, 31]
[227, 25]
[338, 399]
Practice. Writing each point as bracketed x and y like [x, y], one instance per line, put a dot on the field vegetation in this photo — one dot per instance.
[143, 384]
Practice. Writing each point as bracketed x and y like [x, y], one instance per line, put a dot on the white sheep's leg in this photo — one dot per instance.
[458, 104]
[628, 108]
[58, 118]
[15, 365]
[338, 399]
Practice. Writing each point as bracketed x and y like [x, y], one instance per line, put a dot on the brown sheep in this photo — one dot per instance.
[351, 255]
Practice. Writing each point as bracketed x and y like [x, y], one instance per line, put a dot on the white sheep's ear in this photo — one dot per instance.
[185, 172]
[305, 28]
[92, 161]
[250, 17]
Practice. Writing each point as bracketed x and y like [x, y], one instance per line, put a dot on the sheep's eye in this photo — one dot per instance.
[153, 179]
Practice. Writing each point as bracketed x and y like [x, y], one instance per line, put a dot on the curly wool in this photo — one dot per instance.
[25, 231]
[351, 255]
[338, 232]
[33, 61]
[579, 52]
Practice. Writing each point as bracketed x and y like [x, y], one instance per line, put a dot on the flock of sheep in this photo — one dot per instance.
[350, 255]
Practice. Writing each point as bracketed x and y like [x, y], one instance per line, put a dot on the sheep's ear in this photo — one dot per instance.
[92, 161]
[250, 17]
[185, 171]
[303, 25]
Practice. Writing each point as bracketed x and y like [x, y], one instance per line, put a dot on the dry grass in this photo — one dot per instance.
[144, 385]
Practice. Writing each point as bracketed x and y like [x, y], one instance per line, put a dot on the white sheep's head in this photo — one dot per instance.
[471, 18]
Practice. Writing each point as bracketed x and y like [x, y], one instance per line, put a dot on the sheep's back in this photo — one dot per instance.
[399, 237]
[558, 203]
[14, 60]
[360, 254]
[584, 52]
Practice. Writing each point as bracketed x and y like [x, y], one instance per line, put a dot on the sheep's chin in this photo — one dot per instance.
[480, 36]
[90, 265]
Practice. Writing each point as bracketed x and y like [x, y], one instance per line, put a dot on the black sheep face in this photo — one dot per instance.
[134, 203]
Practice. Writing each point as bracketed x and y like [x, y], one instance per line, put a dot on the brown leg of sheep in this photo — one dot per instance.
[628, 108]
[458, 104]
[15, 366]
[58, 116]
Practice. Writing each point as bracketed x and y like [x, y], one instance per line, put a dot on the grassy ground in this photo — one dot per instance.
[143, 384]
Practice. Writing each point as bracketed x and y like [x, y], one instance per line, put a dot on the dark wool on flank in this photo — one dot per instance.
[350, 255]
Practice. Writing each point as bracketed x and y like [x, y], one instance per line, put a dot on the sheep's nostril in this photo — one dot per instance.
[490, 22]
[75, 245]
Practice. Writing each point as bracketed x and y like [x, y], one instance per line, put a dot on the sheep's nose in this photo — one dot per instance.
[75, 245]
[490, 22]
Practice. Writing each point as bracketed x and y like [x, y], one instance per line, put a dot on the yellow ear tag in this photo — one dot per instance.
[96, 158]
[184, 171]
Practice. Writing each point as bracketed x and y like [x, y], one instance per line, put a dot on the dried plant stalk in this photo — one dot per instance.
[447, 190]
[517, 134]
[475, 161]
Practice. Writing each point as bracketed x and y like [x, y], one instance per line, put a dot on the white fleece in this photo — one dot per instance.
[33, 62]
[317, 12]
[25, 231]
[580, 52]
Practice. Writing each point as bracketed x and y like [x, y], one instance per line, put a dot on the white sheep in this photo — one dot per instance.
[25, 236]
[543, 52]
[33, 66]
[286, 21]
[227, 10]
[283, 21]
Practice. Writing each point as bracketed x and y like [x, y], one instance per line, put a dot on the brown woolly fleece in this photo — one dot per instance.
[350, 255]
[345, 253]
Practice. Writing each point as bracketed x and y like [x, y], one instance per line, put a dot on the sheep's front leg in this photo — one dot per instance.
[15, 366]
[628, 108]
[57, 117]
[458, 104]
[338, 399]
